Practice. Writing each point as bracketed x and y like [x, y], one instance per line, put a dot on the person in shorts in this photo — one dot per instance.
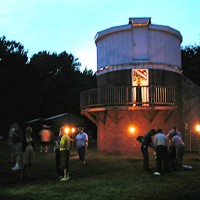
[29, 153]
[17, 145]
[65, 153]
[46, 136]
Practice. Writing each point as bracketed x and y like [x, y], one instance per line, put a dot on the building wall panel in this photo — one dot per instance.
[114, 136]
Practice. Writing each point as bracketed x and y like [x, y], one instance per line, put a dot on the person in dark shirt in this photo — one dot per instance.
[28, 152]
[17, 143]
[59, 171]
[146, 142]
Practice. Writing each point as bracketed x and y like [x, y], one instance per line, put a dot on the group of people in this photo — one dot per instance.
[62, 149]
[169, 150]
[21, 146]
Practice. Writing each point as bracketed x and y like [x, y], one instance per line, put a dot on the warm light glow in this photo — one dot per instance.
[73, 130]
[67, 130]
[198, 128]
[132, 129]
[140, 78]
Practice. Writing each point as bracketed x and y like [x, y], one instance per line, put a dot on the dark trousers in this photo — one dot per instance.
[180, 149]
[172, 157]
[145, 154]
[64, 158]
[81, 153]
[162, 158]
[59, 171]
[138, 95]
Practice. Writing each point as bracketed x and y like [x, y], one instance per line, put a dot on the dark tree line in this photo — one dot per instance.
[46, 85]
[191, 62]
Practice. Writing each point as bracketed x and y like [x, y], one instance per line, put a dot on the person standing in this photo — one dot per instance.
[29, 153]
[81, 144]
[146, 142]
[161, 147]
[17, 145]
[59, 171]
[10, 144]
[65, 153]
[173, 131]
[46, 136]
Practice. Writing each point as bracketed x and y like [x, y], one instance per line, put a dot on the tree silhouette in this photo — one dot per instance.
[13, 60]
[191, 62]
[48, 84]
[53, 75]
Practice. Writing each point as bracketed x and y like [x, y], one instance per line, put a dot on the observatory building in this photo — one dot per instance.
[140, 86]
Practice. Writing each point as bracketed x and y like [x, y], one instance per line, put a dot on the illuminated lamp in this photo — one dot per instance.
[131, 129]
[73, 130]
[198, 130]
[67, 130]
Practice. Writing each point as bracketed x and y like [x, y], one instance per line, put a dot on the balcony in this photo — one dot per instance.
[131, 98]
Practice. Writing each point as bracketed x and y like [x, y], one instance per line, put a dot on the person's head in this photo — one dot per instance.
[63, 131]
[80, 129]
[45, 126]
[153, 132]
[15, 125]
[159, 130]
[28, 130]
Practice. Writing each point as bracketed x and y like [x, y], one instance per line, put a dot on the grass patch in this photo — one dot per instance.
[104, 176]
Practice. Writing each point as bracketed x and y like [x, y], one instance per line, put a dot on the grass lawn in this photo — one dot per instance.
[104, 177]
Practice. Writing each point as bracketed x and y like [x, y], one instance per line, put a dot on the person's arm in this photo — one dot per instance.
[86, 139]
[151, 144]
[155, 142]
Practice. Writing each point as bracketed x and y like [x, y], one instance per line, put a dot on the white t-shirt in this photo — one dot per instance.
[160, 139]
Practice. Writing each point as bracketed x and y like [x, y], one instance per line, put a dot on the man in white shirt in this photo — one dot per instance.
[160, 144]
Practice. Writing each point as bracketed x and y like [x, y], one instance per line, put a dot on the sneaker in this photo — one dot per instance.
[64, 179]
[15, 168]
[157, 173]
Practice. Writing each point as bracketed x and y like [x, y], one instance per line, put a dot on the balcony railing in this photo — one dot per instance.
[128, 96]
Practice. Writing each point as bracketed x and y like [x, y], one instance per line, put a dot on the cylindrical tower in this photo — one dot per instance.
[138, 84]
